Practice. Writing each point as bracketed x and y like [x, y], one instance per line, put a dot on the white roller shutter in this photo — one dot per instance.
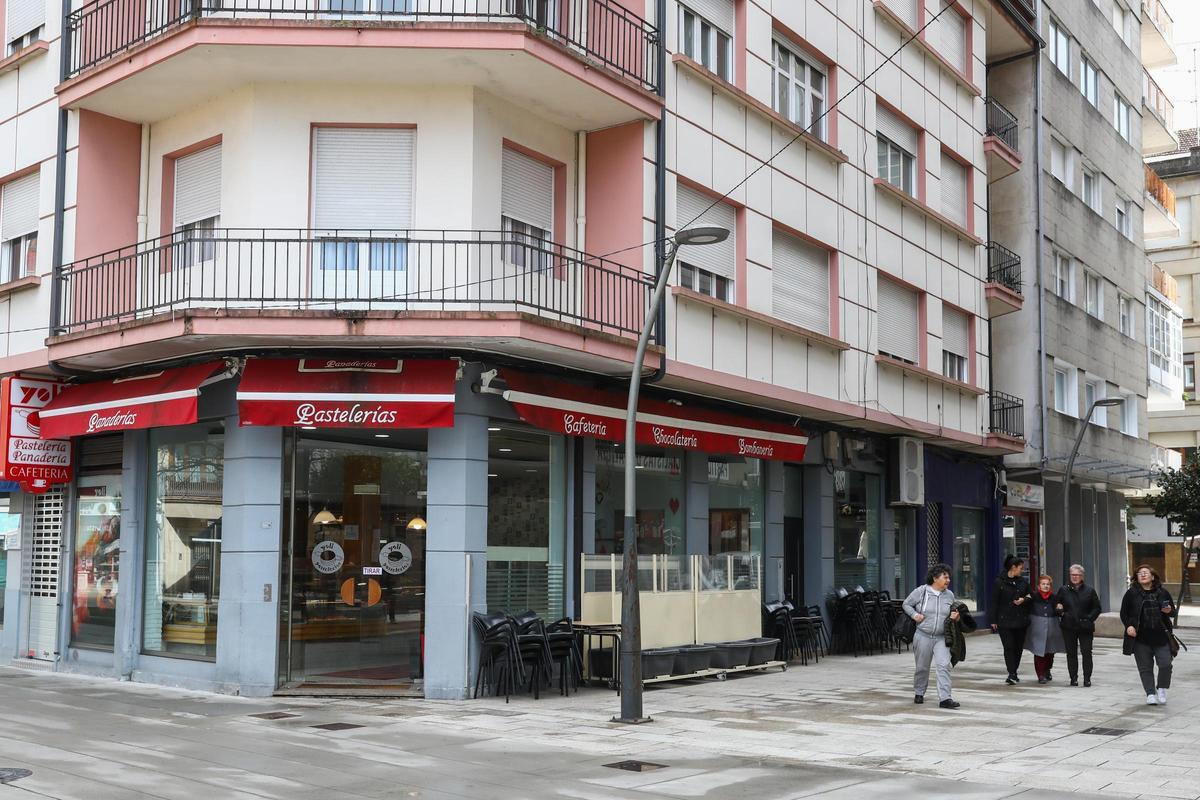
[800, 291]
[955, 332]
[952, 38]
[363, 178]
[898, 321]
[721, 258]
[954, 190]
[198, 186]
[23, 17]
[527, 190]
[896, 129]
[906, 10]
[718, 12]
[19, 207]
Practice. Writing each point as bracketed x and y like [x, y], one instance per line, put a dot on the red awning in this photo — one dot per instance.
[161, 398]
[583, 411]
[348, 393]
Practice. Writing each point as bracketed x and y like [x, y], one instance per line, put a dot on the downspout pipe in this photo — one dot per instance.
[1038, 222]
[660, 192]
[60, 182]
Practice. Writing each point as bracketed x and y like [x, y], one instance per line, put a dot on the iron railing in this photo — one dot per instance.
[264, 270]
[1157, 101]
[1002, 124]
[1004, 267]
[1007, 415]
[601, 31]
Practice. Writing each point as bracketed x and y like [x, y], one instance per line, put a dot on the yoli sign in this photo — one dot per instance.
[34, 462]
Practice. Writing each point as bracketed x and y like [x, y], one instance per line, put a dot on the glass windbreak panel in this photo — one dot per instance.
[97, 560]
[856, 527]
[526, 529]
[10, 531]
[354, 568]
[735, 505]
[183, 540]
[968, 556]
[659, 518]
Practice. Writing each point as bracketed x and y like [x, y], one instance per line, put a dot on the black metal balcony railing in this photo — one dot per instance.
[1007, 415]
[601, 31]
[1002, 124]
[263, 270]
[1004, 267]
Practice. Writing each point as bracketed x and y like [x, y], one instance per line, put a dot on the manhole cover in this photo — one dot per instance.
[275, 715]
[636, 766]
[336, 726]
[1105, 731]
[10, 774]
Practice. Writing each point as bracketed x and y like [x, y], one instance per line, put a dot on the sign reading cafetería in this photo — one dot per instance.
[28, 459]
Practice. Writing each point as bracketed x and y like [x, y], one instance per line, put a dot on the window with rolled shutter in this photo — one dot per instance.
[952, 38]
[955, 332]
[527, 191]
[906, 10]
[718, 12]
[198, 186]
[800, 290]
[954, 190]
[23, 16]
[18, 227]
[898, 321]
[896, 129]
[363, 178]
[692, 211]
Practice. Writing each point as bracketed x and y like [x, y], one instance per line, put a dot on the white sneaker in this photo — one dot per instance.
[1162, 697]
[1151, 700]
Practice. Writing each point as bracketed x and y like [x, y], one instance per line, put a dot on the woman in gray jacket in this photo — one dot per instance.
[929, 606]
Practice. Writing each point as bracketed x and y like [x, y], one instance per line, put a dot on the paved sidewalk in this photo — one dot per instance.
[846, 728]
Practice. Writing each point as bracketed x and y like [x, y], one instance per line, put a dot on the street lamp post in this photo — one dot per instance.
[1106, 402]
[631, 615]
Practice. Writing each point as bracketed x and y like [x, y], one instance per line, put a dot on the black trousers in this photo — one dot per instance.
[1013, 640]
[1146, 657]
[1076, 641]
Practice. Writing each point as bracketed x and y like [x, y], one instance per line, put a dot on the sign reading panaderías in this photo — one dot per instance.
[28, 459]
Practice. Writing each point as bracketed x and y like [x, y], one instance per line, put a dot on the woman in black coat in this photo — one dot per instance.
[1010, 614]
[1146, 614]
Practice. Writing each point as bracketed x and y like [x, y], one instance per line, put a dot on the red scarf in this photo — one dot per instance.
[1045, 595]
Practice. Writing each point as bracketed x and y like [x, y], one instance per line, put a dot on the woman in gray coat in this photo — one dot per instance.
[1044, 636]
[930, 607]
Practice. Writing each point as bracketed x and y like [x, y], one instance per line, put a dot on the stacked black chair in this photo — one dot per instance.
[565, 653]
[533, 648]
[777, 624]
[814, 612]
[499, 664]
[804, 629]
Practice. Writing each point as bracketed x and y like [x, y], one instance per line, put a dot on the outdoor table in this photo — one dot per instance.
[600, 631]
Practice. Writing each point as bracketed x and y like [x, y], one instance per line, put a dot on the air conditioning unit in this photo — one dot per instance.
[906, 472]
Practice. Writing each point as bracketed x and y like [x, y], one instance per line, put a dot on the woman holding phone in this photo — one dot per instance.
[1146, 613]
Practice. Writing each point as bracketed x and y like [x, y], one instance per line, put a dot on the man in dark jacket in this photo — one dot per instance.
[1080, 607]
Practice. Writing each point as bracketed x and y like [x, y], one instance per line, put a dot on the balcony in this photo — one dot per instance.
[1158, 125]
[1011, 27]
[194, 291]
[1000, 142]
[1159, 220]
[1003, 287]
[1158, 35]
[584, 63]
[1007, 415]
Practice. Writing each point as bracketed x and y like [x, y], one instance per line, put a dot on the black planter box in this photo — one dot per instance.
[731, 654]
[693, 658]
[762, 650]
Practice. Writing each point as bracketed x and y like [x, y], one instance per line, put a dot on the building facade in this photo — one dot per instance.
[334, 305]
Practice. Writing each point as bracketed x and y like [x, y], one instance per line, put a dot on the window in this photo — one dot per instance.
[10, 525]
[897, 143]
[1125, 313]
[1121, 114]
[1091, 189]
[97, 566]
[954, 189]
[1094, 295]
[1121, 217]
[799, 89]
[197, 206]
[1122, 22]
[1066, 388]
[1160, 336]
[735, 505]
[1060, 47]
[898, 323]
[951, 37]
[25, 22]
[800, 283]
[956, 344]
[659, 479]
[1189, 374]
[1093, 390]
[526, 210]
[707, 41]
[1064, 277]
[1062, 163]
[709, 269]
[1089, 81]
[363, 203]
[857, 528]
[183, 541]
[19, 227]
[970, 580]
[1129, 414]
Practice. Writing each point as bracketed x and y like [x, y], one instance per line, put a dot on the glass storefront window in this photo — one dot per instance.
[856, 529]
[526, 529]
[735, 505]
[97, 560]
[967, 580]
[183, 540]
[660, 492]
[10, 526]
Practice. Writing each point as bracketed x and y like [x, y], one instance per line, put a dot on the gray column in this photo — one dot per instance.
[134, 475]
[773, 531]
[695, 471]
[248, 609]
[456, 553]
[12, 594]
[585, 449]
[818, 535]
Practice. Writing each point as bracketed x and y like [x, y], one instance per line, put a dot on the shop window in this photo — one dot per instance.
[857, 529]
[660, 515]
[735, 505]
[968, 579]
[96, 573]
[10, 530]
[183, 541]
[526, 531]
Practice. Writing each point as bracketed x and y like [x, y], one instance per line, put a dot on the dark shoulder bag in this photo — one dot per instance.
[905, 627]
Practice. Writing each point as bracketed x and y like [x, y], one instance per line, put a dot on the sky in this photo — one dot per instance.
[1181, 83]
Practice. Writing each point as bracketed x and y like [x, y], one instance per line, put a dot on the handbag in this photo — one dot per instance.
[905, 627]
[1174, 643]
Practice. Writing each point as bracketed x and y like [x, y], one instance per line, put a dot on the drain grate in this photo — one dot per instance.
[336, 726]
[1106, 731]
[10, 774]
[636, 766]
[274, 715]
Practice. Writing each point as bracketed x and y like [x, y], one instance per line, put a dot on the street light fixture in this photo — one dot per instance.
[1106, 402]
[631, 614]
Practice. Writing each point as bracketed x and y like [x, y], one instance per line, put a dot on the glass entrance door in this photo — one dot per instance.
[354, 566]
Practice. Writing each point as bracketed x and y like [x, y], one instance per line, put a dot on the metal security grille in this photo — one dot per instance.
[47, 534]
[933, 534]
